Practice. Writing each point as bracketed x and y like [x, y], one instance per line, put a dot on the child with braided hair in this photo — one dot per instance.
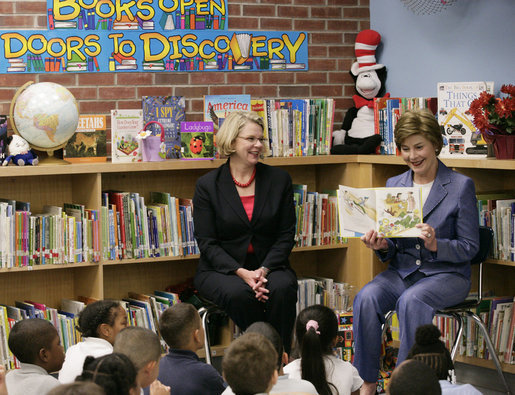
[316, 330]
[99, 324]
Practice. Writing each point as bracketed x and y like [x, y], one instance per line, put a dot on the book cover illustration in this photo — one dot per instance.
[216, 107]
[169, 111]
[460, 136]
[88, 144]
[392, 212]
[197, 140]
[125, 125]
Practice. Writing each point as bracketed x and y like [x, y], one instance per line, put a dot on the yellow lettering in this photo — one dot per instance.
[146, 38]
[203, 54]
[92, 41]
[60, 4]
[293, 48]
[58, 42]
[124, 8]
[202, 7]
[226, 40]
[220, 7]
[257, 43]
[115, 37]
[7, 37]
[175, 44]
[105, 14]
[144, 7]
[188, 41]
[40, 38]
[277, 50]
[131, 46]
[174, 6]
[185, 4]
[87, 6]
[74, 45]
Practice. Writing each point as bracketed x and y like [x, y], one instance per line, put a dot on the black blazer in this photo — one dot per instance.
[223, 230]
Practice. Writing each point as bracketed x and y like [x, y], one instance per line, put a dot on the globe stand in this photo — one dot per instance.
[48, 159]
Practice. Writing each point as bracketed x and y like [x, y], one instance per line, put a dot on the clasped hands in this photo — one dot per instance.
[256, 280]
[374, 241]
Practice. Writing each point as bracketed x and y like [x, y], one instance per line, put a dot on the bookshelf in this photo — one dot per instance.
[82, 183]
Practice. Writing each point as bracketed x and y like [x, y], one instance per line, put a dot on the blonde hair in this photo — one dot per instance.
[231, 128]
[421, 121]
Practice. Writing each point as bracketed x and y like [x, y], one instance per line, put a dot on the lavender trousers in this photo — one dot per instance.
[415, 298]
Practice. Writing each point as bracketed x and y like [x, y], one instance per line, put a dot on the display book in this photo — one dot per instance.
[160, 227]
[58, 235]
[461, 138]
[392, 212]
[388, 110]
[169, 111]
[197, 140]
[89, 142]
[125, 126]
[143, 310]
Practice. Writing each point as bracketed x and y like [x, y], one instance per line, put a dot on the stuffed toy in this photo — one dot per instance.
[20, 152]
[357, 134]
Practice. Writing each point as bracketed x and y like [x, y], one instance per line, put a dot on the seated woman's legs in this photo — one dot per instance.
[280, 307]
[233, 295]
[370, 305]
[417, 305]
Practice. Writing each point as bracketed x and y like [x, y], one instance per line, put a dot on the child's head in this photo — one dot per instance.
[115, 373]
[413, 377]
[268, 331]
[103, 319]
[181, 328]
[316, 329]
[250, 364]
[36, 341]
[428, 348]
[78, 388]
[142, 347]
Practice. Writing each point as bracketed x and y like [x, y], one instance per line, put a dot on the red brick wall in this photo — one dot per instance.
[332, 26]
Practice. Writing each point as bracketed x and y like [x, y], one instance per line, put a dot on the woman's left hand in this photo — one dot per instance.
[260, 286]
[428, 234]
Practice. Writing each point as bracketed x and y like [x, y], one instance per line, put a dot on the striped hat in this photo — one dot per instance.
[365, 50]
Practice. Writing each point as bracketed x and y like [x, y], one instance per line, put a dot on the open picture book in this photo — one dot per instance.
[392, 212]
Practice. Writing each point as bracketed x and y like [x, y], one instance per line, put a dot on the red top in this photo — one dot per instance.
[248, 205]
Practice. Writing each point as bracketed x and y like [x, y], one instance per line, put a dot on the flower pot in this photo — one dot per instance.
[504, 146]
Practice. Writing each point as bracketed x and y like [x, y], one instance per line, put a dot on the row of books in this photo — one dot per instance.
[387, 110]
[324, 291]
[190, 20]
[296, 127]
[317, 217]
[135, 229]
[68, 234]
[497, 313]
[498, 212]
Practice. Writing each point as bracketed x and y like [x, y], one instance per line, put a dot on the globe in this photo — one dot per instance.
[45, 114]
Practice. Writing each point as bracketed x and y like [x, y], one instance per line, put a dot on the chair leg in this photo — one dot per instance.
[204, 314]
[491, 349]
[459, 320]
[387, 318]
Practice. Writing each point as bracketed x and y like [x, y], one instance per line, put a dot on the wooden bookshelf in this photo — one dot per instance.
[82, 183]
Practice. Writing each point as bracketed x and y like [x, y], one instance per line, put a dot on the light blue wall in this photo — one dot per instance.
[472, 40]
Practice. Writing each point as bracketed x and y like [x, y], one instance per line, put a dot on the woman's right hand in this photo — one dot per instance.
[374, 241]
[256, 281]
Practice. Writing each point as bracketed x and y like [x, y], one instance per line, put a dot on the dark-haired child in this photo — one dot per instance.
[115, 373]
[35, 343]
[181, 369]
[99, 324]
[78, 388]
[316, 330]
[249, 365]
[413, 378]
[143, 348]
[429, 349]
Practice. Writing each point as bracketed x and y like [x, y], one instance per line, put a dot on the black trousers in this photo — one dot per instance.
[239, 301]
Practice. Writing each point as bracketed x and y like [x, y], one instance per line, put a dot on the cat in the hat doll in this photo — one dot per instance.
[357, 133]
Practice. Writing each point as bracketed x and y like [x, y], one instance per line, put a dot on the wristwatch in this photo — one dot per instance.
[265, 270]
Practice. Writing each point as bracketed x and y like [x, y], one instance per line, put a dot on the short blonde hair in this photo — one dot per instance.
[421, 121]
[231, 128]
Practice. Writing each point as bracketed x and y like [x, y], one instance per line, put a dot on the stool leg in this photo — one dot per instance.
[207, 347]
[491, 349]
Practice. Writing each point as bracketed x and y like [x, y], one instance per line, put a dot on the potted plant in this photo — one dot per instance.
[493, 117]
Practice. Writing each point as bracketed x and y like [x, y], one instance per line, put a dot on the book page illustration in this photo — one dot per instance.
[398, 211]
[357, 208]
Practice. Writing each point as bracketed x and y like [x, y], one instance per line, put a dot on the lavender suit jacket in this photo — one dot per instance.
[451, 209]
